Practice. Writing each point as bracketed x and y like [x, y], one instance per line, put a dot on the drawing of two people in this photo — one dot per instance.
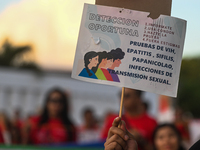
[100, 65]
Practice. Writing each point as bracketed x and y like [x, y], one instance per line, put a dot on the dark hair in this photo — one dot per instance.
[138, 93]
[89, 55]
[87, 110]
[102, 55]
[117, 53]
[109, 56]
[63, 114]
[172, 126]
[146, 105]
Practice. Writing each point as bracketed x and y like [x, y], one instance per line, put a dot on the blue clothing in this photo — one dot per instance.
[84, 73]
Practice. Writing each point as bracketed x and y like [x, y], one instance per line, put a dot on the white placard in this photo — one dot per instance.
[126, 48]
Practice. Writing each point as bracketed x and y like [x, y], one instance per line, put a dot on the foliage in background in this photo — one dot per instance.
[11, 56]
[189, 86]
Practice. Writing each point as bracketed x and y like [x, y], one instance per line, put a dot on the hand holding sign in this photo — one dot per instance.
[128, 49]
[120, 138]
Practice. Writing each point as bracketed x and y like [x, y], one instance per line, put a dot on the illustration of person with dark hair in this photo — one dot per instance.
[118, 55]
[90, 60]
[102, 63]
[108, 65]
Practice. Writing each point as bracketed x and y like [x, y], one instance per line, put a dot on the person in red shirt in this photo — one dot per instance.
[89, 131]
[182, 126]
[138, 122]
[53, 126]
[5, 129]
[16, 126]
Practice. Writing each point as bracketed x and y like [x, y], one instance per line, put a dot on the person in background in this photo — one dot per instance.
[89, 131]
[167, 137]
[146, 106]
[138, 122]
[195, 146]
[182, 126]
[5, 130]
[17, 124]
[53, 126]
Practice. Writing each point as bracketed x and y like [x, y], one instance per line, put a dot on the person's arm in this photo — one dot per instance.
[120, 138]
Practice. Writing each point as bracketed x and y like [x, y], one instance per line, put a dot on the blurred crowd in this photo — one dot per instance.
[54, 126]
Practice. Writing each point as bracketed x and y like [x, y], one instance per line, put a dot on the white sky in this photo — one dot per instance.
[15, 16]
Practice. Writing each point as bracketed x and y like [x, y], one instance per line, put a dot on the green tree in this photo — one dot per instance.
[189, 86]
[11, 56]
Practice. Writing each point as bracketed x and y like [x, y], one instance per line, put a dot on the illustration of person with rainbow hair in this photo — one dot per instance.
[102, 63]
[108, 65]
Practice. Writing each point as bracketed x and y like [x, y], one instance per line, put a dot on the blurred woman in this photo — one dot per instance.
[53, 126]
[167, 137]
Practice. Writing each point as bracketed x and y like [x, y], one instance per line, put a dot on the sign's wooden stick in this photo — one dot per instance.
[121, 105]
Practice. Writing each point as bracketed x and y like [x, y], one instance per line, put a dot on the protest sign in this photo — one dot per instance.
[125, 48]
[155, 7]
